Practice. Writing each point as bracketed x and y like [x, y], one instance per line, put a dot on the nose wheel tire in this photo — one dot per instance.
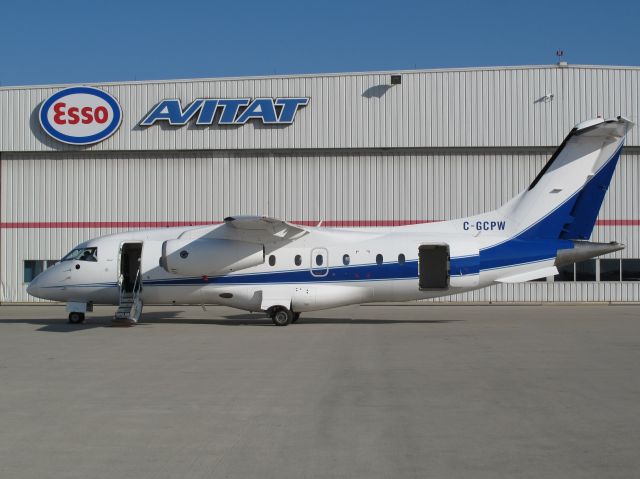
[296, 317]
[281, 316]
[76, 318]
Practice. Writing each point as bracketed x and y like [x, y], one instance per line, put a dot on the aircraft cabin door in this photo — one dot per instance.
[130, 267]
[319, 262]
[433, 266]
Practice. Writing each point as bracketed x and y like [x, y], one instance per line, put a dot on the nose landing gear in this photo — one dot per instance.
[76, 311]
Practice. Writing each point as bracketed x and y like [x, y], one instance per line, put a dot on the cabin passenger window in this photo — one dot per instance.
[82, 254]
[272, 260]
[346, 260]
[297, 260]
[319, 259]
[401, 258]
[379, 259]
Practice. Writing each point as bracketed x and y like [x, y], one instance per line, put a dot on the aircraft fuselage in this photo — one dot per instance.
[324, 269]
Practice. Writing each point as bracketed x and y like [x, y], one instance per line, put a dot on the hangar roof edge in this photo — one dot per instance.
[319, 75]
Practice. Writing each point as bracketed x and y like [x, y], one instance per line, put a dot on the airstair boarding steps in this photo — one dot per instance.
[130, 306]
[129, 310]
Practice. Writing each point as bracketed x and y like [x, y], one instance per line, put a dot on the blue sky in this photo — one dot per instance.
[82, 41]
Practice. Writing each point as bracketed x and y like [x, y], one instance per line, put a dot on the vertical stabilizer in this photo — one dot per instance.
[563, 201]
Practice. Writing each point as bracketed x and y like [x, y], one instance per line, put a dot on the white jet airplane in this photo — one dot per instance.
[264, 264]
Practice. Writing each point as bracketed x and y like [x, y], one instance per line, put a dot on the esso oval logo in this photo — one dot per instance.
[80, 115]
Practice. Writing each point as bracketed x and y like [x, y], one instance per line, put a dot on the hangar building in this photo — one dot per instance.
[356, 149]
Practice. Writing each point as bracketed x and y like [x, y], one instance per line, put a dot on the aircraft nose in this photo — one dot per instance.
[34, 288]
[37, 285]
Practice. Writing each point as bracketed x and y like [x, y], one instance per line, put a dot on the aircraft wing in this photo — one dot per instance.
[257, 229]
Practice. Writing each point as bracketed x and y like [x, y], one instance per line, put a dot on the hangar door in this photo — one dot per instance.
[433, 266]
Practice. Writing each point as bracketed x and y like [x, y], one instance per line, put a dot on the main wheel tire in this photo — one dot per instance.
[282, 317]
[296, 317]
[76, 318]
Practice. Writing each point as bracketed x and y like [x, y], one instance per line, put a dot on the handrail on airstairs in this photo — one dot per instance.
[137, 285]
[130, 304]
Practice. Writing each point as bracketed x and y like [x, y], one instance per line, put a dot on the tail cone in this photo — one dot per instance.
[583, 250]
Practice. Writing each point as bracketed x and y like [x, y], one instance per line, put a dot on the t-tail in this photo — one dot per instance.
[563, 201]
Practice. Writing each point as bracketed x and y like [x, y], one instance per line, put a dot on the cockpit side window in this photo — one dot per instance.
[82, 254]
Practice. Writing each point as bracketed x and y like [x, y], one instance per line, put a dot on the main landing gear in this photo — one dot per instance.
[76, 318]
[282, 316]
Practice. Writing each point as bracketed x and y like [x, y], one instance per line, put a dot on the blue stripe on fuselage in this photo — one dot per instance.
[368, 272]
[514, 254]
[508, 254]
[518, 251]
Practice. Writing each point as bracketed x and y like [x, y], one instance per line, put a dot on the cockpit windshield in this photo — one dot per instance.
[82, 254]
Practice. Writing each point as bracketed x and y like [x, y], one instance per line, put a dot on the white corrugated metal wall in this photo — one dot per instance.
[348, 186]
[444, 143]
[486, 107]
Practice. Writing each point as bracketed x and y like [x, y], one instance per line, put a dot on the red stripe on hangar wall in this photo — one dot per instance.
[169, 224]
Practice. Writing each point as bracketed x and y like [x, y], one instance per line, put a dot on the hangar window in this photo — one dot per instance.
[272, 260]
[82, 254]
[586, 270]
[297, 260]
[565, 273]
[401, 258]
[379, 259]
[631, 270]
[33, 268]
[609, 270]
[346, 260]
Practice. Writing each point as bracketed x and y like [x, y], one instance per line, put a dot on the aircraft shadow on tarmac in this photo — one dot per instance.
[60, 325]
[250, 320]
[54, 325]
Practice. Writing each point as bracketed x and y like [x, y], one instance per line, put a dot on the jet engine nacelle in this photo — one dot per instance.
[209, 257]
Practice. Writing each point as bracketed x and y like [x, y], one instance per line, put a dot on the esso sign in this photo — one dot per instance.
[80, 115]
